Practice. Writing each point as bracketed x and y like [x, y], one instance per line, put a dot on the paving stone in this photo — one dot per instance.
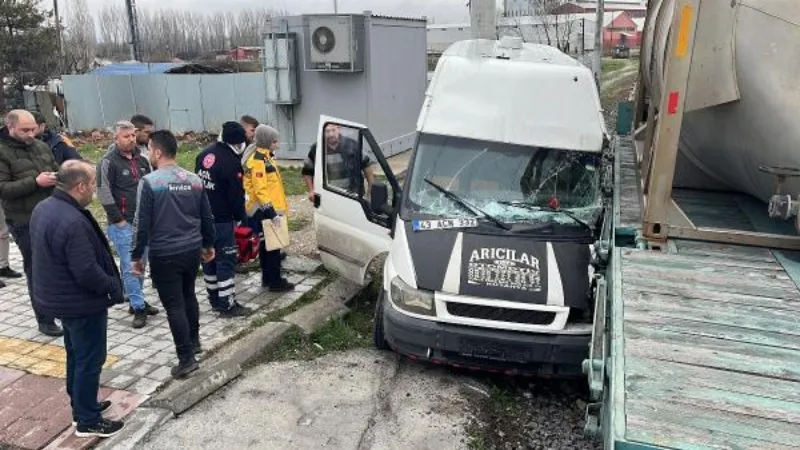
[141, 341]
[161, 374]
[122, 350]
[141, 354]
[122, 381]
[141, 369]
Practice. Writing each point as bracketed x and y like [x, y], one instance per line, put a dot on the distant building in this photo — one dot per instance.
[442, 36]
[517, 8]
[633, 8]
[572, 33]
[620, 29]
[244, 53]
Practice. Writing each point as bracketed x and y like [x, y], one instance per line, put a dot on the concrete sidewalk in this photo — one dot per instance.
[35, 410]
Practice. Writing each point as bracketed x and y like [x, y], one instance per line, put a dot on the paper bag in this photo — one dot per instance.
[276, 237]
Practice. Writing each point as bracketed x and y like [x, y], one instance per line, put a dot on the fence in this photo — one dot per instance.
[175, 101]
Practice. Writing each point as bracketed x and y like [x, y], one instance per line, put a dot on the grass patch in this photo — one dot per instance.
[352, 331]
[613, 65]
[293, 183]
[298, 223]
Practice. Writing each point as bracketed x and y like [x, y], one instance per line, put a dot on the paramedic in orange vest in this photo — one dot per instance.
[266, 200]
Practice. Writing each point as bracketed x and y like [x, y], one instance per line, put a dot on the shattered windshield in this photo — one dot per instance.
[513, 183]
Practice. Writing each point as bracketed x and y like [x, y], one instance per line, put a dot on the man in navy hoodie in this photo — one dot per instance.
[77, 280]
[220, 168]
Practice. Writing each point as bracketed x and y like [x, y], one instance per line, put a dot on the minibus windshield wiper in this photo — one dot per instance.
[532, 207]
[464, 204]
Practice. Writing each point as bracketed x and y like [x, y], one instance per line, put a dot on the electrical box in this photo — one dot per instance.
[334, 43]
[280, 68]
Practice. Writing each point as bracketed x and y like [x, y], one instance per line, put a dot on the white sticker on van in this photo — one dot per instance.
[443, 224]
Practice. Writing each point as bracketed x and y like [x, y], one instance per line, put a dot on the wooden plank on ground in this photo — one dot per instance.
[691, 327]
[744, 282]
[723, 250]
[748, 317]
[784, 299]
[703, 351]
[667, 435]
[658, 411]
[680, 375]
[667, 260]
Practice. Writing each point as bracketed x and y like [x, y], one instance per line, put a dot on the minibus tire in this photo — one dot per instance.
[378, 334]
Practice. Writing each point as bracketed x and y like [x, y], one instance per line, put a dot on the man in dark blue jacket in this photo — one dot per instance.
[77, 280]
[174, 220]
[62, 150]
[220, 168]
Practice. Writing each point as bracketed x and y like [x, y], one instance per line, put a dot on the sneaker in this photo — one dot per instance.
[183, 370]
[8, 272]
[285, 286]
[151, 311]
[236, 311]
[140, 319]
[104, 405]
[104, 428]
[51, 329]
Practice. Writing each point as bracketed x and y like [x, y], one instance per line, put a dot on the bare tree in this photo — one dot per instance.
[546, 25]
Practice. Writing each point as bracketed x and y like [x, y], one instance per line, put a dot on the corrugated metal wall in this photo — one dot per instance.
[178, 102]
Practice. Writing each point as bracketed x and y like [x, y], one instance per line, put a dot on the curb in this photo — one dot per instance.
[177, 398]
[138, 427]
[331, 304]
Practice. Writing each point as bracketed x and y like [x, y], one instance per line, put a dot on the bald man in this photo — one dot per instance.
[27, 176]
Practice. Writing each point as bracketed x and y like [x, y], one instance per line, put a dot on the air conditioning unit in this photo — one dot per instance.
[334, 43]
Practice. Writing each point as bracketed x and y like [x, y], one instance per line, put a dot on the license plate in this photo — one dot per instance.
[492, 352]
[443, 224]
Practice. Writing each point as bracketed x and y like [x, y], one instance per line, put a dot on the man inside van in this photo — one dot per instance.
[345, 164]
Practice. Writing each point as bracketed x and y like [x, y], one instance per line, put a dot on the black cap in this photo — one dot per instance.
[233, 133]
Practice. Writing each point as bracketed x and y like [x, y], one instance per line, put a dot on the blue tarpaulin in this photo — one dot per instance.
[135, 69]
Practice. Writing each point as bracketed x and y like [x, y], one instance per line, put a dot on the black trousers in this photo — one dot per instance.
[270, 263]
[85, 343]
[174, 278]
[22, 236]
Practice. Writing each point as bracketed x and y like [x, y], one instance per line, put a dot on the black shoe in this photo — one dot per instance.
[8, 272]
[139, 319]
[197, 349]
[151, 311]
[2, 285]
[104, 405]
[50, 329]
[183, 370]
[104, 428]
[283, 256]
[285, 286]
[236, 311]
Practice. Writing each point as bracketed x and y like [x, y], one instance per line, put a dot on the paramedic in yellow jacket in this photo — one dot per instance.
[266, 200]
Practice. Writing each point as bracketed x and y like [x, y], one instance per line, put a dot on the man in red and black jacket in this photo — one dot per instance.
[118, 183]
[220, 168]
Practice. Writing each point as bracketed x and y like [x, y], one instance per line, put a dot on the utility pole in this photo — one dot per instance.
[136, 54]
[60, 41]
[336, 6]
[598, 42]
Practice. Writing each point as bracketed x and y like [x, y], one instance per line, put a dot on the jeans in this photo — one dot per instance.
[122, 238]
[174, 278]
[22, 236]
[85, 343]
[4, 240]
[219, 273]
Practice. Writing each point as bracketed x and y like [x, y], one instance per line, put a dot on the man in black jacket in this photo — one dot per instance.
[77, 281]
[174, 220]
[220, 168]
[118, 182]
[27, 176]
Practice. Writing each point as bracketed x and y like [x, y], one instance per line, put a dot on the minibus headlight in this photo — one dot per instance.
[412, 300]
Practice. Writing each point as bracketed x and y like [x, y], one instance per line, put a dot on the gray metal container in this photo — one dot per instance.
[744, 92]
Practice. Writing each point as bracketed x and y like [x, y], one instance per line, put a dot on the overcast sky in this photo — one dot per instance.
[444, 11]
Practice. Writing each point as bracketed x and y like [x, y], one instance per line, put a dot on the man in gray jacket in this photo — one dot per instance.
[118, 178]
[174, 220]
